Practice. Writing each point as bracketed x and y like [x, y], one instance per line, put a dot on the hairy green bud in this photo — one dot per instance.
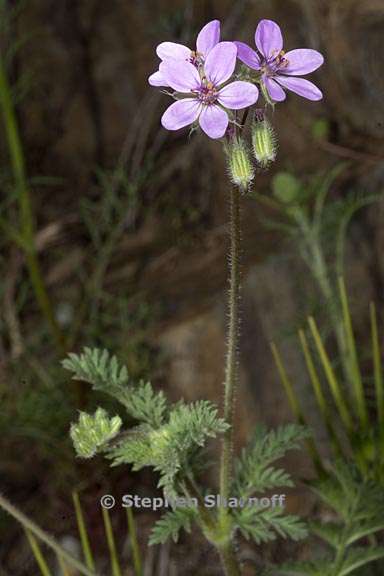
[93, 431]
[263, 140]
[239, 164]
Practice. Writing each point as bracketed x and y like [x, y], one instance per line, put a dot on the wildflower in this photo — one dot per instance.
[239, 164]
[263, 139]
[206, 101]
[279, 69]
[207, 38]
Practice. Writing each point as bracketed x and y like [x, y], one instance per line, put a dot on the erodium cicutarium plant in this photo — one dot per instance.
[216, 87]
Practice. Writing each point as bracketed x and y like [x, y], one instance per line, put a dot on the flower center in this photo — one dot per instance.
[207, 92]
[275, 63]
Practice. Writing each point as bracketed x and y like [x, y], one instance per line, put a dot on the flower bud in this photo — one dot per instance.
[92, 431]
[239, 165]
[263, 140]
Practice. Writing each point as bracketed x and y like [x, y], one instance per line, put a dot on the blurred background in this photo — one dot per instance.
[129, 232]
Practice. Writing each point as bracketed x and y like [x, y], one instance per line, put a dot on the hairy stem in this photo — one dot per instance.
[213, 527]
[227, 553]
[34, 529]
[27, 228]
[231, 368]
[229, 560]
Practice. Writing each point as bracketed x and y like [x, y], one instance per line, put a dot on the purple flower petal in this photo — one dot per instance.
[179, 75]
[238, 95]
[157, 79]
[274, 90]
[247, 55]
[167, 50]
[268, 38]
[214, 121]
[181, 113]
[302, 61]
[220, 63]
[300, 86]
[208, 37]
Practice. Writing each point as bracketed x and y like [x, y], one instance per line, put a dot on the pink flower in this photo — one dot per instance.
[205, 101]
[207, 38]
[279, 69]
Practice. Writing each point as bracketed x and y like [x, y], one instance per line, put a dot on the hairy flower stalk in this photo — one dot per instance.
[231, 373]
[229, 560]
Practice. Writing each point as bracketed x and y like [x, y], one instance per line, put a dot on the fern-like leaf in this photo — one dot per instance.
[105, 374]
[357, 557]
[264, 525]
[254, 472]
[171, 523]
[146, 405]
[330, 532]
[98, 368]
[170, 448]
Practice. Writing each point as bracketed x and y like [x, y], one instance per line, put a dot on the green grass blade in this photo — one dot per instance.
[378, 368]
[354, 368]
[87, 551]
[135, 545]
[31, 527]
[295, 404]
[287, 385]
[319, 394]
[331, 378]
[64, 570]
[45, 571]
[115, 565]
[321, 401]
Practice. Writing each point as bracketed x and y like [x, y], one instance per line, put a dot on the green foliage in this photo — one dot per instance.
[98, 368]
[342, 390]
[105, 374]
[171, 523]
[358, 502]
[318, 227]
[170, 448]
[358, 507]
[170, 440]
[254, 472]
[91, 433]
[166, 439]
[147, 405]
[264, 525]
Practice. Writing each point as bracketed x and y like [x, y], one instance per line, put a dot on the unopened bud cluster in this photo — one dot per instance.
[240, 163]
[93, 431]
